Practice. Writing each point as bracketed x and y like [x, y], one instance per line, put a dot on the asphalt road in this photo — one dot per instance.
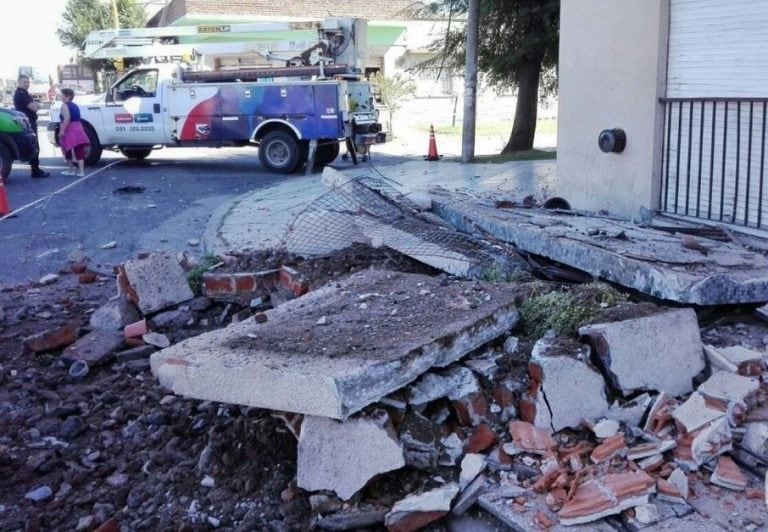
[161, 203]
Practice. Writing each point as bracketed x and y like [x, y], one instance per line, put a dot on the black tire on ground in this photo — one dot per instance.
[6, 162]
[279, 152]
[93, 155]
[136, 153]
[303, 155]
[326, 154]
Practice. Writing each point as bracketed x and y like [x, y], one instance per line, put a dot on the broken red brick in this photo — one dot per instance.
[87, 278]
[291, 279]
[604, 496]
[753, 493]
[471, 410]
[543, 520]
[556, 499]
[504, 397]
[546, 481]
[242, 286]
[137, 328]
[290, 492]
[109, 526]
[134, 342]
[613, 446]
[481, 439]
[50, 339]
[728, 475]
[530, 439]
[666, 491]
[78, 267]
[124, 287]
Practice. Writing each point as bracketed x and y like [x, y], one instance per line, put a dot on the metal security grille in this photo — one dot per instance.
[713, 159]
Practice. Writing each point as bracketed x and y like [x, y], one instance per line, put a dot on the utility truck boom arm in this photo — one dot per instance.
[336, 38]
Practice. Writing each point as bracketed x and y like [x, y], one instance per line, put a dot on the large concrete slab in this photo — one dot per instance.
[381, 331]
[651, 261]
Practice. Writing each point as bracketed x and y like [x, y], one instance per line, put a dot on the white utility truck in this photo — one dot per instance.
[295, 113]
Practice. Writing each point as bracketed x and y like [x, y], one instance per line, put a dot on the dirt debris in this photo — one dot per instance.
[114, 445]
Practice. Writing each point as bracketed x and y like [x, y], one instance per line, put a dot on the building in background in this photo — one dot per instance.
[687, 82]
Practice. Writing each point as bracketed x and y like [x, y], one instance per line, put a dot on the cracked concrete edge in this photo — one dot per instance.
[213, 241]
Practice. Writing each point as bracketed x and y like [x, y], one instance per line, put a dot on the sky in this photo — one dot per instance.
[34, 23]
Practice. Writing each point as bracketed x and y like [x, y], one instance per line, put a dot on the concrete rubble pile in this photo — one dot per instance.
[632, 423]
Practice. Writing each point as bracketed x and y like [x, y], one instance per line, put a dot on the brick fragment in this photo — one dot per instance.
[50, 339]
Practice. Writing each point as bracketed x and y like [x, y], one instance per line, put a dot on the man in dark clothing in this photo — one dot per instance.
[23, 102]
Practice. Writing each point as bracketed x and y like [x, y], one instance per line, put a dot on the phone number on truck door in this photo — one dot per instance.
[134, 128]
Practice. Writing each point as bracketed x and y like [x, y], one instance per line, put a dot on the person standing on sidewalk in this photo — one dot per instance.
[23, 102]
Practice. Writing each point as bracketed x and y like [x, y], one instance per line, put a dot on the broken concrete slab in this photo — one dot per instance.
[607, 495]
[96, 347]
[471, 465]
[570, 391]
[344, 456]
[711, 441]
[419, 437]
[694, 413]
[290, 363]
[454, 383]
[661, 352]
[631, 412]
[469, 495]
[725, 389]
[115, 314]
[736, 359]
[159, 281]
[417, 511]
[650, 261]
[352, 519]
[756, 438]
[523, 517]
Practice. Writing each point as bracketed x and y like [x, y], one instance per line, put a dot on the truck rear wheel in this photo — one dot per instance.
[279, 152]
[326, 154]
[136, 153]
[6, 161]
[93, 155]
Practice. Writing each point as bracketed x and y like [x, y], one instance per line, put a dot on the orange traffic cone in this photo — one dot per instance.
[432, 153]
[4, 207]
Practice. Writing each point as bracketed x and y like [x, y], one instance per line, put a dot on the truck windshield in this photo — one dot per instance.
[142, 83]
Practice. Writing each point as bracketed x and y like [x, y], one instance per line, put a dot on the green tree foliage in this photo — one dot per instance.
[393, 91]
[81, 17]
[518, 45]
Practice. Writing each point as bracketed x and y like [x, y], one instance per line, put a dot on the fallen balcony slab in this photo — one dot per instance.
[338, 349]
[653, 262]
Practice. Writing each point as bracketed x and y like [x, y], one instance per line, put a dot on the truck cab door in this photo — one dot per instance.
[134, 111]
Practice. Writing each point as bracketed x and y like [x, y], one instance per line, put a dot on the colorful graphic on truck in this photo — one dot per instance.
[235, 112]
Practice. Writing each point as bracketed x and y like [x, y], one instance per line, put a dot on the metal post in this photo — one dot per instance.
[470, 84]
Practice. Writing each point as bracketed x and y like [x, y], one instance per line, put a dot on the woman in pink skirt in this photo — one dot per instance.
[72, 137]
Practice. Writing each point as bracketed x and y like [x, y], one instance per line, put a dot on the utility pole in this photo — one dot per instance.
[470, 84]
[115, 18]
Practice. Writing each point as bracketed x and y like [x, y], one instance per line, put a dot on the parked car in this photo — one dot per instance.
[17, 140]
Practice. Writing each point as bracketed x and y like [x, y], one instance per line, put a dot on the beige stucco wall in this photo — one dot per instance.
[612, 74]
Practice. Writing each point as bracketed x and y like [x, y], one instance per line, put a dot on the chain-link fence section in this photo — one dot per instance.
[369, 210]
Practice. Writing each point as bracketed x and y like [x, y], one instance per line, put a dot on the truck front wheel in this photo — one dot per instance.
[279, 152]
[136, 153]
[94, 150]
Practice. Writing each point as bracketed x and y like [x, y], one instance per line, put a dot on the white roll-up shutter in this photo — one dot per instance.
[717, 48]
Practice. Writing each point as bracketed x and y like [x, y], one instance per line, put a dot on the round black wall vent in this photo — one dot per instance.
[612, 140]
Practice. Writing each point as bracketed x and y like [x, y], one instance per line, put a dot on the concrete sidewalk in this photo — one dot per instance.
[260, 219]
